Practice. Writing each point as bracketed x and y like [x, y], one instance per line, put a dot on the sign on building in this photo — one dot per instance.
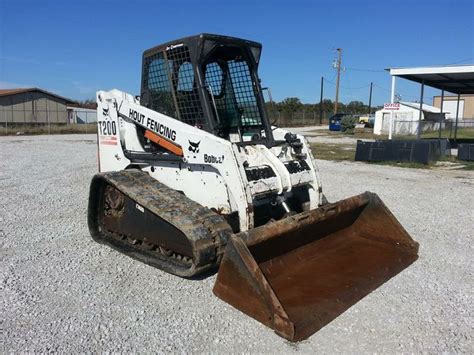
[395, 106]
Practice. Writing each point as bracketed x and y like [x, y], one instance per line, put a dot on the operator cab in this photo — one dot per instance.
[210, 82]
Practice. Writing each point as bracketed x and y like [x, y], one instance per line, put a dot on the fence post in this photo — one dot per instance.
[47, 117]
[457, 119]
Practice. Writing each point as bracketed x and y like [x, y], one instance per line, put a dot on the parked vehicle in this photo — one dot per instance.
[335, 121]
[194, 177]
[368, 121]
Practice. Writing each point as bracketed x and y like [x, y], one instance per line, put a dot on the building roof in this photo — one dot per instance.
[458, 79]
[416, 106]
[81, 108]
[7, 92]
[425, 107]
[448, 97]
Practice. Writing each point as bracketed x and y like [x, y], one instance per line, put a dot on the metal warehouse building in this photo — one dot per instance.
[466, 106]
[31, 106]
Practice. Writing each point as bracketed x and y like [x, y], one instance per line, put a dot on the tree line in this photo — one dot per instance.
[291, 105]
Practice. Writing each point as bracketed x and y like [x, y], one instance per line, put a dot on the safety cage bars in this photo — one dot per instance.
[169, 79]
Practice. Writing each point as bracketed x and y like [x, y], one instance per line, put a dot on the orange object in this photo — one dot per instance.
[162, 142]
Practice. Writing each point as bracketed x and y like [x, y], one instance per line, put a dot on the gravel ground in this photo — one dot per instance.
[319, 134]
[62, 292]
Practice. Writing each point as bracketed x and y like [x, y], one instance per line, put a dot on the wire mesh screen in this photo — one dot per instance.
[227, 110]
[244, 92]
[173, 89]
[214, 76]
[234, 95]
[182, 76]
[157, 80]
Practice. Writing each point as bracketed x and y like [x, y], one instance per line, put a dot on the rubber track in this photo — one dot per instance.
[207, 231]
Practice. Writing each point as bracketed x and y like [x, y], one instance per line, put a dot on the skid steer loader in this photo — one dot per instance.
[193, 176]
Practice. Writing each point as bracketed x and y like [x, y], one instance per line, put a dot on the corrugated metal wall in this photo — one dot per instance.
[32, 107]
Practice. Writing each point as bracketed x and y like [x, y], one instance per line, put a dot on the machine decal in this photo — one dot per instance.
[108, 140]
[153, 125]
[173, 46]
[212, 159]
[194, 147]
[107, 128]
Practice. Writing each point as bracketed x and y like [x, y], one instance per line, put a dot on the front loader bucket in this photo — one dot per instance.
[298, 274]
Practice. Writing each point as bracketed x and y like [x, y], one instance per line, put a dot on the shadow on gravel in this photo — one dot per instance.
[204, 275]
[13, 141]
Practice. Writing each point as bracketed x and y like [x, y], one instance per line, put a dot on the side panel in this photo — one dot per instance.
[111, 157]
[208, 169]
[208, 163]
[193, 180]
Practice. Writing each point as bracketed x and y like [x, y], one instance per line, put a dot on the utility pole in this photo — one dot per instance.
[338, 67]
[321, 102]
[370, 98]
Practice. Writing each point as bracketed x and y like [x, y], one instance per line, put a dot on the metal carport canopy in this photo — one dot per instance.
[458, 79]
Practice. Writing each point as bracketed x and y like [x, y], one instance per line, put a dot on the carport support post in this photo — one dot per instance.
[321, 102]
[441, 113]
[392, 99]
[457, 117]
[421, 108]
[370, 99]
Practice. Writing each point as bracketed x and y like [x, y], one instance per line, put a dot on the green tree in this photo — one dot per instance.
[290, 105]
[89, 103]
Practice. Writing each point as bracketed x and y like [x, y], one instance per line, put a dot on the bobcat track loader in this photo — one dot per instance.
[193, 176]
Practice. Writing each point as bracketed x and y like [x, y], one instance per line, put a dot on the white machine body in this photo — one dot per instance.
[219, 174]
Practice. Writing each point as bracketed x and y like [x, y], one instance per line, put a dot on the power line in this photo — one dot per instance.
[381, 87]
[339, 62]
[367, 70]
[388, 90]
[347, 87]
[461, 61]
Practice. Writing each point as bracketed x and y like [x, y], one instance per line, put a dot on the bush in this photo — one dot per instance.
[348, 124]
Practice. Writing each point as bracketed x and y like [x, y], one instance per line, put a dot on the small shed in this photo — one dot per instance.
[406, 118]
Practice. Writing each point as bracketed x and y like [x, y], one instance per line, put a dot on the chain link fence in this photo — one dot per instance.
[463, 129]
[75, 121]
[84, 121]
[297, 119]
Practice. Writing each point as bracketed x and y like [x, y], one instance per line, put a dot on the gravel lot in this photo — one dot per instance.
[62, 292]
